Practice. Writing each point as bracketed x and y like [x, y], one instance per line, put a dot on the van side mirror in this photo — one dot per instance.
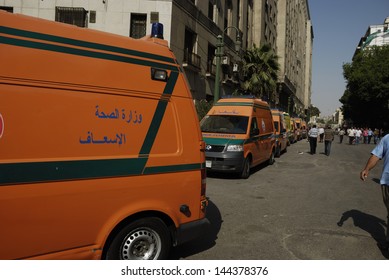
[254, 132]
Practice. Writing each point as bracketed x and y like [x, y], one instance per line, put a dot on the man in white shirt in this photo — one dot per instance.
[351, 135]
[312, 134]
[321, 133]
[358, 134]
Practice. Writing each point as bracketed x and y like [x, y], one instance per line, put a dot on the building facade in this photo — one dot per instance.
[376, 35]
[191, 27]
[294, 45]
[264, 24]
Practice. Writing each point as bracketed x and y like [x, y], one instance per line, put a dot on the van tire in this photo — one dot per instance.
[245, 173]
[143, 239]
[271, 159]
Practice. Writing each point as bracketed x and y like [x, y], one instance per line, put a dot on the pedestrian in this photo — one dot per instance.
[313, 134]
[376, 135]
[365, 134]
[351, 135]
[329, 135]
[369, 135]
[321, 133]
[381, 152]
[358, 134]
[341, 134]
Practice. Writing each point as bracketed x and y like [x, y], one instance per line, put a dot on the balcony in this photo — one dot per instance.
[192, 61]
[211, 69]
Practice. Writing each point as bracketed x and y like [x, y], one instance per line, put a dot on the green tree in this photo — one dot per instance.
[202, 108]
[366, 98]
[313, 111]
[260, 71]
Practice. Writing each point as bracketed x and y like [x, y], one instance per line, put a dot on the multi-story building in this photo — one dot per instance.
[194, 41]
[376, 35]
[191, 27]
[294, 45]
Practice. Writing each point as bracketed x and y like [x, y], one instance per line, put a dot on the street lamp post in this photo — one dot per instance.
[219, 53]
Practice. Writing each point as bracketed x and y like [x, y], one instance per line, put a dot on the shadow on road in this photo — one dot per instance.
[235, 175]
[207, 241]
[369, 223]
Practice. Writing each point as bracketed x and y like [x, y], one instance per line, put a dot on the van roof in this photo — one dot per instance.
[74, 56]
[49, 32]
[276, 112]
[242, 102]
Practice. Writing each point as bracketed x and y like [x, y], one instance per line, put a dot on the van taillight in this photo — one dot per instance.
[203, 181]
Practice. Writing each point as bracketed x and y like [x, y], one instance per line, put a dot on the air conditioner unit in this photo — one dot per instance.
[225, 60]
[235, 68]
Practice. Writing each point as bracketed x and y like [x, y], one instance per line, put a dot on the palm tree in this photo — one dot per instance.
[260, 70]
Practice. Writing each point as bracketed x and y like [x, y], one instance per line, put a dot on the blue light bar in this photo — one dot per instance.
[157, 30]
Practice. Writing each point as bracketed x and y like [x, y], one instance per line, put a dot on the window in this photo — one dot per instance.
[154, 17]
[138, 25]
[211, 6]
[276, 126]
[92, 16]
[229, 15]
[6, 8]
[74, 16]
[254, 126]
[225, 124]
[190, 57]
[211, 67]
[240, 15]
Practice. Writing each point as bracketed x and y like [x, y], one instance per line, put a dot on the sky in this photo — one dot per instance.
[338, 25]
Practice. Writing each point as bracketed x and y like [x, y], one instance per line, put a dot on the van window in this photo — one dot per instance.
[225, 124]
[254, 125]
[276, 126]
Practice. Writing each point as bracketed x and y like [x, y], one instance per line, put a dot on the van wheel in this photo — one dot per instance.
[271, 159]
[246, 169]
[143, 239]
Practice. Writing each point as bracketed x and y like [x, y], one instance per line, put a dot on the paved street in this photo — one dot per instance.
[290, 210]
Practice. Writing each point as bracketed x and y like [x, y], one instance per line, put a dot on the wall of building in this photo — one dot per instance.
[265, 23]
[294, 47]
[111, 15]
[197, 20]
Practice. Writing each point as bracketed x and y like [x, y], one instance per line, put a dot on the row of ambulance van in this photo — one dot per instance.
[101, 151]
[241, 133]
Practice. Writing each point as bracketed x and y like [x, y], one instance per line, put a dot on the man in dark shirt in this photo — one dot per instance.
[329, 135]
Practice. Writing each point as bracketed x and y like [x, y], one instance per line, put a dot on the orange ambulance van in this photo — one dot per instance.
[298, 125]
[289, 129]
[101, 153]
[279, 131]
[238, 133]
[304, 129]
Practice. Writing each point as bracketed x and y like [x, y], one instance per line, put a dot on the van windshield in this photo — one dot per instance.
[225, 124]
